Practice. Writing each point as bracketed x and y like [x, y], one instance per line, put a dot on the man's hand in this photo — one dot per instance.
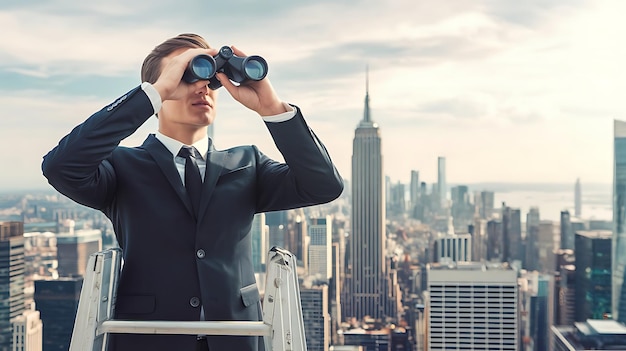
[170, 84]
[258, 96]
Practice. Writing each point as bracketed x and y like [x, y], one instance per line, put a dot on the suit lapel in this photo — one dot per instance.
[214, 165]
[164, 159]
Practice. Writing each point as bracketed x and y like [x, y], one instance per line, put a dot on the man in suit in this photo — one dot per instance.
[188, 257]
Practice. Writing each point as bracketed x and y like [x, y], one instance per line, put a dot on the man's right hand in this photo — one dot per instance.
[172, 69]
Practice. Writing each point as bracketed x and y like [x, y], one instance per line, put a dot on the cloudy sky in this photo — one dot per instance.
[506, 90]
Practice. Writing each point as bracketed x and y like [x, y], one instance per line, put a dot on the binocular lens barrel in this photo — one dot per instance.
[255, 68]
[201, 67]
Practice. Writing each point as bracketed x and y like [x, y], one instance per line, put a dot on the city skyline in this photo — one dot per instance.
[483, 84]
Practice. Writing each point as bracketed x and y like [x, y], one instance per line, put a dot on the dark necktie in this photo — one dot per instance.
[193, 182]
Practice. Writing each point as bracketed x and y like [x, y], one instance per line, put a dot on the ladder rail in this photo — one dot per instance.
[233, 328]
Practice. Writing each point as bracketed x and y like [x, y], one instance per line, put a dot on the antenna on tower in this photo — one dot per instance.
[366, 115]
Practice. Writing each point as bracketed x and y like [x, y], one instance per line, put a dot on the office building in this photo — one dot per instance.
[277, 222]
[486, 204]
[315, 308]
[494, 240]
[365, 275]
[546, 246]
[478, 231]
[320, 248]
[565, 282]
[414, 190]
[537, 302]
[619, 221]
[442, 187]
[28, 332]
[57, 301]
[472, 306]
[531, 261]
[11, 279]
[396, 205]
[567, 231]
[511, 234]
[74, 248]
[258, 233]
[593, 275]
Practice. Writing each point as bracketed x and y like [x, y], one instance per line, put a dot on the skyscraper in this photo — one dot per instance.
[533, 219]
[57, 300]
[442, 189]
[316, 318]
[365, 272]
[577, 199]
[593, 274]
[320, 248]
[258, 233]
[11, 279]
[567, 231]
[619, 221]
[414, 190]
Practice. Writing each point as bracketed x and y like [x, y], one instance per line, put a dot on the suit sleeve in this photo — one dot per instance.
[308, 176]
[78, 167]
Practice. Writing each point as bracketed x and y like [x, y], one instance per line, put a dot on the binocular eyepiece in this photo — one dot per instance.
[238, 69]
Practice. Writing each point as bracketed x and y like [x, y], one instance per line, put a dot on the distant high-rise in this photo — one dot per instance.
[57, 301]
[567, 231]
[472, 306]
[442, 188]
[414, 189]
[277, 223]
[258, 233]
[577, 199]
[396, 200]
[533, 219]
[320, 248]
[593, 275]
[74, 249]
[486, 204]
[316, 318]
[366, 262]
[537, 297]
[546, 247]
[619, 221]
[511, 234]
[11, 279]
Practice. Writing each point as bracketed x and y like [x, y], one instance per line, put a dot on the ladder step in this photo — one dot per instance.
[185, 327]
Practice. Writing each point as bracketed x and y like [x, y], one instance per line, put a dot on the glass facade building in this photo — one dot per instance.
[619, 219]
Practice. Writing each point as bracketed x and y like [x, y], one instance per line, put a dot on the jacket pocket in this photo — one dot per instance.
[250, 294]
[135, 304]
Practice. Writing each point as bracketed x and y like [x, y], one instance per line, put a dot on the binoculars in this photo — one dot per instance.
[238, 69]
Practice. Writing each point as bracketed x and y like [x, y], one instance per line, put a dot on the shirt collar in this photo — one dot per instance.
[174, 145]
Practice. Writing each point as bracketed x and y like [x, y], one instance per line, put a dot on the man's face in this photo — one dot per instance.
[195, 105]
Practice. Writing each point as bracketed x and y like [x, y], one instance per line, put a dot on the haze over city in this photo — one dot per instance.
[507, 91]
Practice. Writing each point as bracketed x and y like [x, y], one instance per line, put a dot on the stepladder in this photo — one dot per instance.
[282, 327]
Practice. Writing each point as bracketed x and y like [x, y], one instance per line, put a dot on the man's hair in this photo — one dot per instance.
[151, 68]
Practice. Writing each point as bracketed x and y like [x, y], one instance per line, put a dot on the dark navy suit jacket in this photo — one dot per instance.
[175, 263]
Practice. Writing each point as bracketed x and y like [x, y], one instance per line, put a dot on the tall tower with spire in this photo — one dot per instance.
[366, 260]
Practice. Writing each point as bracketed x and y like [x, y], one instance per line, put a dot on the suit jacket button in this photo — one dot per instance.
[200, 253]
[194, 302]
